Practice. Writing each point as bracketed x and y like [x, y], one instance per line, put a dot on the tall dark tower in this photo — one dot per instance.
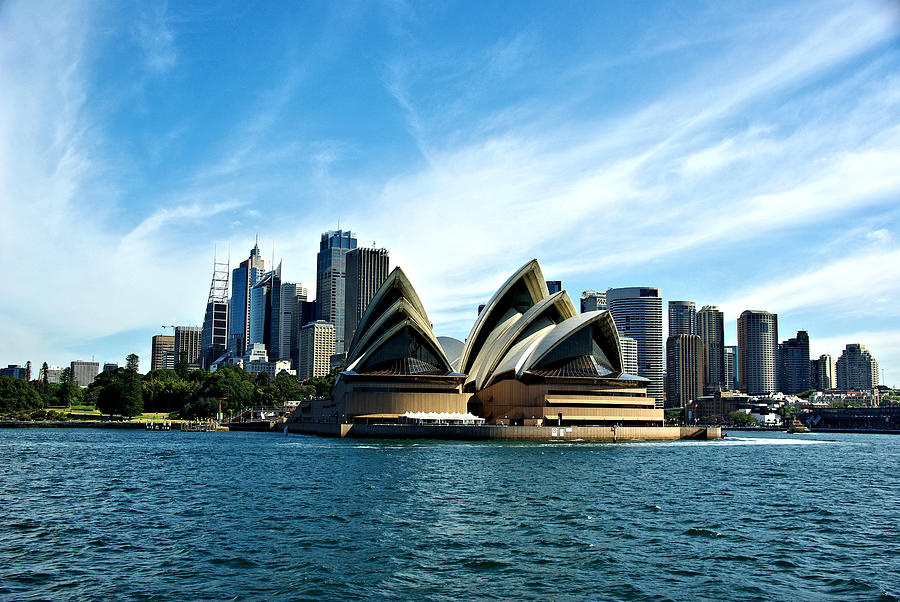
[367, 269]
[214, 336]
[243, 278]
[331, 272]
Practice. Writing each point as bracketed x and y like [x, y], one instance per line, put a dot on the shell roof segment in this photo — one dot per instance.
[520, 292]
[395, 286]
[394, 335]
[547, 312]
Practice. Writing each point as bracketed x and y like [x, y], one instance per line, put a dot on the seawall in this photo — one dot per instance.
[507, 433]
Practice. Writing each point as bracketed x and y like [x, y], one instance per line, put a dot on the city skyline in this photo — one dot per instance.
[767, 133]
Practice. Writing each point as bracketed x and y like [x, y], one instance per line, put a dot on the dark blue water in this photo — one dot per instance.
[171, 516]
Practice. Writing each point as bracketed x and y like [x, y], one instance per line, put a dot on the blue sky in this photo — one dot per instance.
[743, 154]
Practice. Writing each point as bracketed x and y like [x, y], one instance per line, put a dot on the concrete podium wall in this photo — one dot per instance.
[510, 433]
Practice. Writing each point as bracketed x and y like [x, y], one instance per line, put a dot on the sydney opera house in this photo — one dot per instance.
[530, 359]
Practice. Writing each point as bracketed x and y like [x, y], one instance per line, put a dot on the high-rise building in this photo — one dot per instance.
[481, 307]
[367, 269]
[15, 371]
[711, 328]
[54, 375]
[822, 373]
[331, 271]
[730, 365]
[856, 368]
[243, 278]
[187, 345]
[637, 312]
[684, 369]
[316, 349]
[629, 355]
[682, 318]
[214, 335]
[757, 345]
[304, 313]
[793, 364]
[110, 366]
[735, 382]
[554, 286]
[292, 295]
[161, 344]
[593, 301]
[272, 306]
[84, 372]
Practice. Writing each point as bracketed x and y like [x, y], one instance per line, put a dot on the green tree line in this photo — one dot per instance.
[181, 393]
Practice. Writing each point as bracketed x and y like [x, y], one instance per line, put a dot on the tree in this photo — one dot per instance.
[28, 371]
[741, 419]
[44, 377]
[17, 395]
[164, 391]
[182, 368]
[68, 388]
[119, 393]
[231, 384]
[806, 394]
[132, 362]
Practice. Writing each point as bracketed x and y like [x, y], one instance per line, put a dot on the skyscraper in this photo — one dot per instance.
[637, 312]
[731, 383]
[856, 368]
[84, 372]
[682, 318]
[187, 345]
[629, 355]
[593, 301]
[757, 344]
[161, 343]
[822, 373]
[367, 269]
[793, 364]
[214, 334]
[554, 286]
[304, 313]
[711, 328]
[331, 270]
[316, 349]
[243, 278]
[684, 369]
[292, 294]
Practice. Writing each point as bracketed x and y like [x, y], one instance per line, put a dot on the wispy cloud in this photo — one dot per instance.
[156, 37]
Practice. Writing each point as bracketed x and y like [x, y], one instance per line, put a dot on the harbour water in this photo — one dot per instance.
[91, 514]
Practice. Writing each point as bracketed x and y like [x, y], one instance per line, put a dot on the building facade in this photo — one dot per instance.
[331, 272]
[757, 350]
[711, 328]
[161, 344]
[110, 366]
[15, 371]
[243, 279]
[367, 270]
[84, 372]
[629, 355]
[187, 345]
[822, 373]
[637, 312]
[593, 301]
[316, 349]
[554, 286]
[684, 370]
[682, 318]
[856, 368]
[793, 364]
[731, 353]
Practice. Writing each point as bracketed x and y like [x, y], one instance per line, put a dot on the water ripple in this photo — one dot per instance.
[172, 516]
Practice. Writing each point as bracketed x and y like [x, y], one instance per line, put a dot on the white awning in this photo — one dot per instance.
[442, 416]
